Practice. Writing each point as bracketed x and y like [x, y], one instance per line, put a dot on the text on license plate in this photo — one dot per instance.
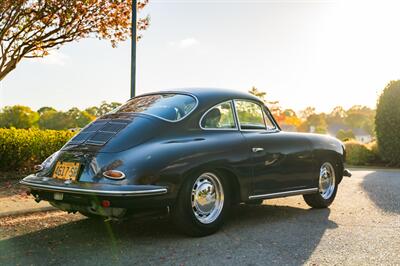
[66, 170]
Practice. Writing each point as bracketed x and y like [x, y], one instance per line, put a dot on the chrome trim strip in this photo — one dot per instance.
[285, 193]
[233, 113]
[257, 149]
[159, 191]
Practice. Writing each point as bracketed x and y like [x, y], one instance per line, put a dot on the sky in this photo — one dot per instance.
[301, 52]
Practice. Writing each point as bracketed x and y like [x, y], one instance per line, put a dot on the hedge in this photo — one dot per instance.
[23, 148]
[360, 154]
[387, 122]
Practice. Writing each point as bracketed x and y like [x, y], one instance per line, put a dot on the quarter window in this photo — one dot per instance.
[250, 115]
[219, 117]
[268, 121]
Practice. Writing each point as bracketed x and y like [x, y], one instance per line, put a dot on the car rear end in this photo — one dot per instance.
[88, 176]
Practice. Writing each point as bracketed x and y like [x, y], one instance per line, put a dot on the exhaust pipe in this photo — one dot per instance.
[37, 198]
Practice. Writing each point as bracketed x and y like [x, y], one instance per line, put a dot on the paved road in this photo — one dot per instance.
[361, 227]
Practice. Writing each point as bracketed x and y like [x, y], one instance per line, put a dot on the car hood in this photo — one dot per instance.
[114, 133]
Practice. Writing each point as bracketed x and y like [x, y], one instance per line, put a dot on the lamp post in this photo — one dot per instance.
[133, 48]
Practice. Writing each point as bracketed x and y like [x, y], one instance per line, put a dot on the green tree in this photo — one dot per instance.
[273, 106]
[318, 122]
[337, 117]
[55, 120]
[18, 116]
[260, 94]
[94, 110]
[106, 108]
[361, 117]
[387, 122]
[345, 135]
[103, 109]
[45, 109]
[79, 118]
[304, 114]
[313, 122]
[84, 119]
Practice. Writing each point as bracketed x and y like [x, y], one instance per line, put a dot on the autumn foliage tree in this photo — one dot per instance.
[31, 28]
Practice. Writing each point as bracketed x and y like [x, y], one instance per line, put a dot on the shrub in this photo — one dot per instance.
[358, 153]
[23, 148]
[373, 147]
[387, 122]
[345, 135]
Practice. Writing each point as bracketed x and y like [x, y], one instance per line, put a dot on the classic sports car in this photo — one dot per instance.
[191, 152]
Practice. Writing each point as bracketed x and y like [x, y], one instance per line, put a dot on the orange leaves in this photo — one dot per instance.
[31, 28]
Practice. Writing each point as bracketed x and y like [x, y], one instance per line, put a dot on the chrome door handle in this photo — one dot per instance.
[257, 149]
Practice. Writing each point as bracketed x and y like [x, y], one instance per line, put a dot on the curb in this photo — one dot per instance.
[365, 168]
[27, 211]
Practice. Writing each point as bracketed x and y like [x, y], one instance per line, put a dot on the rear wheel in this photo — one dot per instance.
[202, 204]
[327, 187]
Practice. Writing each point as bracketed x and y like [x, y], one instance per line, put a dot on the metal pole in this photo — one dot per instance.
[133, 48]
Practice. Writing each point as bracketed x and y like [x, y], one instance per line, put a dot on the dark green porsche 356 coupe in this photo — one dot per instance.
[193, 153]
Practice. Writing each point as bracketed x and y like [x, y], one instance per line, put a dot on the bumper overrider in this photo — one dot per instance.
[347, 173]
[90, 197]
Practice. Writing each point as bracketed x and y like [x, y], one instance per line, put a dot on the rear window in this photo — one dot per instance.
[168, 106]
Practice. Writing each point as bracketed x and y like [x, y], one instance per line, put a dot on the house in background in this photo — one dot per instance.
[360, 134]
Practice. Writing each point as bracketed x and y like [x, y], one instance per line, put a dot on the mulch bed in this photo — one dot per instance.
[9, 184]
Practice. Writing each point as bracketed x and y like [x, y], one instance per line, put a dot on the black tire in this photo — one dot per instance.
[183, 213]
[320, 200]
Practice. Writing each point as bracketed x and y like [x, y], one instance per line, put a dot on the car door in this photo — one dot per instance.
[280, 161]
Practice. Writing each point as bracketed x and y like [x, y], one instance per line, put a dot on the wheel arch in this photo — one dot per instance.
[333, 156]
[234, 186]
[235, 189]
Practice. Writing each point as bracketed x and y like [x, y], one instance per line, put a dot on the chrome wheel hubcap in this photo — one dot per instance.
[326, 180]
[207, 198]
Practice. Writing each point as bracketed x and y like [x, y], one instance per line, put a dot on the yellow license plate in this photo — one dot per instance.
[66, 170]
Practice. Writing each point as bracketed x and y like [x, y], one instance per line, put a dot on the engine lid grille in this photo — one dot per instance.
[98, 133]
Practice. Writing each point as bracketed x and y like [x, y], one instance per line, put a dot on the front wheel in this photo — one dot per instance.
[327, 187]
[202, 204]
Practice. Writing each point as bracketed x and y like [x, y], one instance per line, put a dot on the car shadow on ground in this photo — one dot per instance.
[383, 189]
[252, 235]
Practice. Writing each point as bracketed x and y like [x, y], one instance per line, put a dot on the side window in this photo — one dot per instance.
[268, 121]
[220, 116]
[250, 115]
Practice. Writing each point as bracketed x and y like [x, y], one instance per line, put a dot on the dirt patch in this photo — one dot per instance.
[9, 184]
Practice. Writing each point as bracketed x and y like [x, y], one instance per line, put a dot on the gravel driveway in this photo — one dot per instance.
[361, 227]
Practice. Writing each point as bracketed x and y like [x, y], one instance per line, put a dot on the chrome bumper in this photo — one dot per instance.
[346, 173]
[95, 189]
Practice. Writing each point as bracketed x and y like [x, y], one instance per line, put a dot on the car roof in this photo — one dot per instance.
[211, 94]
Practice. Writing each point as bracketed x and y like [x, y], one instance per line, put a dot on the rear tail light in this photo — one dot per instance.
[114, 174]
[105, 203]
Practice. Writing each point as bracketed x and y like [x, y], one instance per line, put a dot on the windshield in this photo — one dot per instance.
[168, 106]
